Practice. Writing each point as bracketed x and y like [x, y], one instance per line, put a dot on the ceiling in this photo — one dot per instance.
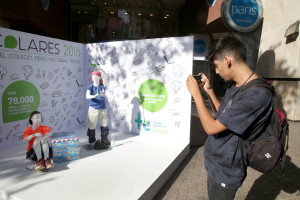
[88, 10]
[173, 4]
[168, 4]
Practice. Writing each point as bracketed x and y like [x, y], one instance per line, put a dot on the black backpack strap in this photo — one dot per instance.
[258, 82]
[241, 146]
[282, 162]
[283, 158]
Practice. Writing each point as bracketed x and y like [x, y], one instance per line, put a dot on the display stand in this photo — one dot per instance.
[135, 169]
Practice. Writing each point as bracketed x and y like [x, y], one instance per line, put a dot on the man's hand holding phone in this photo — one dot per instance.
[198, 78]
[203, 82]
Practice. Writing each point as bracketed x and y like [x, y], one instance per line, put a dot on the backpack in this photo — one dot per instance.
[268, 148]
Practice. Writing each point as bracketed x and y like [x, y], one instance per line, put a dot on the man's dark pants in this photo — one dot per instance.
[218, 192]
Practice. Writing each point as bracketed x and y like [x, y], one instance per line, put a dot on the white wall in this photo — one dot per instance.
[277, 58]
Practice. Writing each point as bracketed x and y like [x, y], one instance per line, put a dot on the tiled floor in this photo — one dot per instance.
[189, 180]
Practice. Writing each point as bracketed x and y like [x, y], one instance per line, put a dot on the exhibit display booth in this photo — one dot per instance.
[148, 108]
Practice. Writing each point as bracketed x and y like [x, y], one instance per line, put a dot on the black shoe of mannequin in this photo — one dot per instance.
[105, 140]
[100, 145]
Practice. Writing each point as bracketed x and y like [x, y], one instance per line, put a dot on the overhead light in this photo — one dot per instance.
[112, 12]
[78, 12]
[165, 17]
[151, 15]
[86, 12]
[140, 14]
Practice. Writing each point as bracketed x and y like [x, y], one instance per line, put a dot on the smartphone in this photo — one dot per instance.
[198, 78]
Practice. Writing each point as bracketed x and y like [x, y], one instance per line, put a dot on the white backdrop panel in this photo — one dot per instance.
[163, 66]
[39, 73]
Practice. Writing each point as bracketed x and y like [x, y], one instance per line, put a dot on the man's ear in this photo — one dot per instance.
[228, 61]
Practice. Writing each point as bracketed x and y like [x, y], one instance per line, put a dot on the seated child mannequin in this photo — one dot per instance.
[97, 110]
[36, 135]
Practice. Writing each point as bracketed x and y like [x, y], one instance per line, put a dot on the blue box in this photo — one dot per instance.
[65, 146]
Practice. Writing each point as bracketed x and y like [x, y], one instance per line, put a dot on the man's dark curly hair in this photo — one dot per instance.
[228, 46]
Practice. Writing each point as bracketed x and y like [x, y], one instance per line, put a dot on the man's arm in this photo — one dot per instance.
[215, 104]
[210, 125]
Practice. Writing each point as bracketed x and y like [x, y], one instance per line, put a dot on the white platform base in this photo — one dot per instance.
[135, 169]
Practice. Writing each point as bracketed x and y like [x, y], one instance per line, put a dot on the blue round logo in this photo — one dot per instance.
[243, 15]
[199, 46]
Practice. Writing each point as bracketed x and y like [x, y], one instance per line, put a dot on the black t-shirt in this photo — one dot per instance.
[243, 118]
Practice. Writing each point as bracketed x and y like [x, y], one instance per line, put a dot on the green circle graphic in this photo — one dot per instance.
[153, 95]
[10, 42]
[18, 100]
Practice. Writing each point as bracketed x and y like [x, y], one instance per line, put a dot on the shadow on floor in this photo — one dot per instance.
[269, 185]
